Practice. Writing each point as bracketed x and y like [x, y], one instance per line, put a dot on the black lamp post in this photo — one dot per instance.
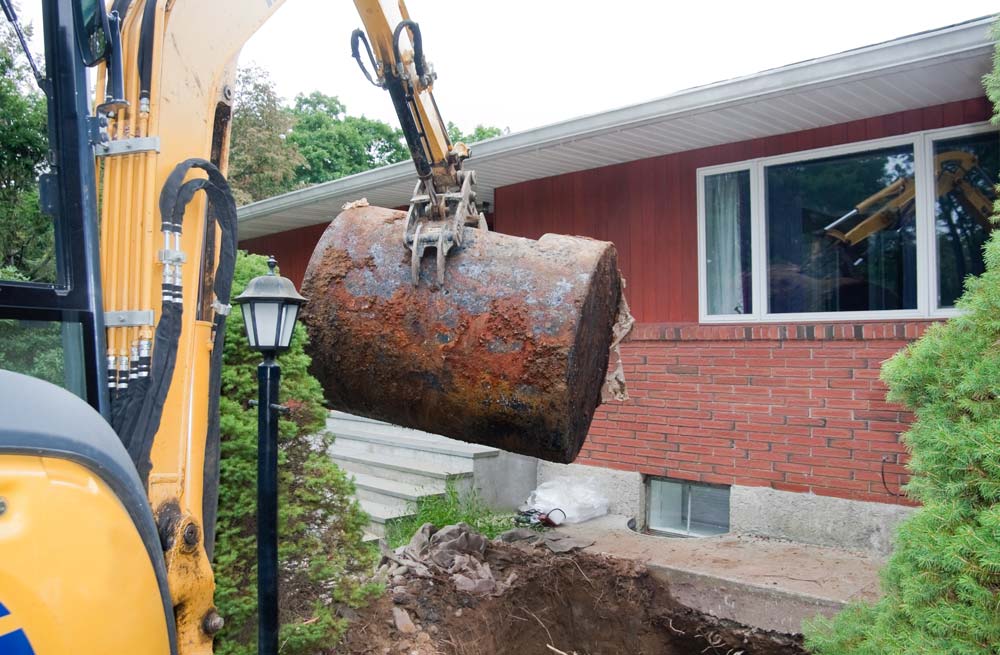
[270, 307]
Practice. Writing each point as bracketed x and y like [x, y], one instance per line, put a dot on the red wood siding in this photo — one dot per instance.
[648, 208]
[292, 249]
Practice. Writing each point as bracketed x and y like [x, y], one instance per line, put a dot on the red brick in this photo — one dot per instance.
[780, 409]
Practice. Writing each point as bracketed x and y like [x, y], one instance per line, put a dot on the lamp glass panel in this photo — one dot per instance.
[248, 323]
[266, 315]
[291, 311]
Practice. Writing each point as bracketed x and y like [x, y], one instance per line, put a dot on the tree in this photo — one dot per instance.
[26, 235]
[942, 584]
[334, 144]
[322, 558]
[276, 148]
[480, 133]
[262, 162]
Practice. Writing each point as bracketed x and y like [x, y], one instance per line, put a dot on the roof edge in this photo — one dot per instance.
[963, 40]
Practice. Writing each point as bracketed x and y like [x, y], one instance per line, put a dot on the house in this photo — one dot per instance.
[782, 234]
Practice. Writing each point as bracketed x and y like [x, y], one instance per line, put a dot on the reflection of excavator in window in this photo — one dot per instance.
[835, 268]
[107, 511]
[956, 172]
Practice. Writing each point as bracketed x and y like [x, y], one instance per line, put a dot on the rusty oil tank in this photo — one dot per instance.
[511, 352]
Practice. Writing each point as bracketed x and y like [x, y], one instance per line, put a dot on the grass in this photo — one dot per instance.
[452, 507]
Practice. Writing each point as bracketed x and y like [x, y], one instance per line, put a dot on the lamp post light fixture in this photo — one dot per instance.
[270, 307]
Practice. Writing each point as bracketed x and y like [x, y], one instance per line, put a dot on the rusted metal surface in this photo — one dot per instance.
[511, 352]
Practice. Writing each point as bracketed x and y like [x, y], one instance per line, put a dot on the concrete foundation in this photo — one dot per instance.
[504, 482]
[812, 519]
[624, 489]
[760, 511]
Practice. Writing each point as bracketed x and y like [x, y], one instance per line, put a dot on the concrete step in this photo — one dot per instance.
[360, 434]
[388, 491]
[402, 469]
[394, 467]
[379, 514]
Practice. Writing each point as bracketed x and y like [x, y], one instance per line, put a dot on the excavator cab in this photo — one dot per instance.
[64, 315]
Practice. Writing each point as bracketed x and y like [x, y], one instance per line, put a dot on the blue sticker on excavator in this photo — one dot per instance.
[16, 642]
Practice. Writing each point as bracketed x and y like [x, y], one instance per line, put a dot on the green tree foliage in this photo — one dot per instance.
[26, 237]
[323, 560]
[262, 163]
[480, 133]
[334, 144]
[942, 584]
[276, 148]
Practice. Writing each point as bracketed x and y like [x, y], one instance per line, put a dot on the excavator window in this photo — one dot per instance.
[869, 264]
[49, 350]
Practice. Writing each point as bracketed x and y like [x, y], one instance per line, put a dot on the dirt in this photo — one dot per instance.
[582, 604]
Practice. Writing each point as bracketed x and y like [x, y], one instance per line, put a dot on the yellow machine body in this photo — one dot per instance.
[76, 577]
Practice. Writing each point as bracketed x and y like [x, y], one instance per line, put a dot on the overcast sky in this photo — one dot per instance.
[525, 63]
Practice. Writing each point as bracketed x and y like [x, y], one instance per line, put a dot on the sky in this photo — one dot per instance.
[520, 64]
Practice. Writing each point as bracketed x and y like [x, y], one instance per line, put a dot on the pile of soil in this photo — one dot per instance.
[582, 604]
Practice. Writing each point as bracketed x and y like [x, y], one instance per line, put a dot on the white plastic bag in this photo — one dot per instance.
[578, 498]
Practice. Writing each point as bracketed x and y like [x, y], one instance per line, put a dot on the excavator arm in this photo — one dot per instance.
[444, 200]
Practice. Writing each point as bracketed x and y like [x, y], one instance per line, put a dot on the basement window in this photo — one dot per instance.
[687, 509]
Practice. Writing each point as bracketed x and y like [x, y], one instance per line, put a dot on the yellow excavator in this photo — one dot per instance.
[109, 484]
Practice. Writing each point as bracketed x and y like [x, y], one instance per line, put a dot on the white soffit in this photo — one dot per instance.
[916, 71]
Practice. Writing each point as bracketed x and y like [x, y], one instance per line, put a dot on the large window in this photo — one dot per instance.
[879, 229]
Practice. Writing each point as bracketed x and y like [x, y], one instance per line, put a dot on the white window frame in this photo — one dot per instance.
[926, 243]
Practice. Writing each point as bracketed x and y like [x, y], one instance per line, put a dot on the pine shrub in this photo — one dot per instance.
[323, 562]
[942, 583]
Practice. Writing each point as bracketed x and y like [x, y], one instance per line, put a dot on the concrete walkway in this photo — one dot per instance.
[765, 583]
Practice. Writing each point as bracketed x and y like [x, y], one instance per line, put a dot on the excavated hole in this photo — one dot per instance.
[583, 604]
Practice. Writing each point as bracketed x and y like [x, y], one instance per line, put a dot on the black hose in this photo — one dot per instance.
[225, 215]
[357, 38]
[146, 38]
[121, 6]
[137, 416]
[418, 44]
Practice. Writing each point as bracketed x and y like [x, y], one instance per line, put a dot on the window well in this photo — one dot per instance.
[689, 509]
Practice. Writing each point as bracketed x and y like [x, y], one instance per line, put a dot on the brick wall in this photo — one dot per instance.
[796, 407]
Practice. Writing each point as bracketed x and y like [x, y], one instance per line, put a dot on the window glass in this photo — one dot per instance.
[965, 170]
[687, 508]
[49, 350]
[727, 243]
[841, 233]
[27, 238]
[709, 509]
[665, 503]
